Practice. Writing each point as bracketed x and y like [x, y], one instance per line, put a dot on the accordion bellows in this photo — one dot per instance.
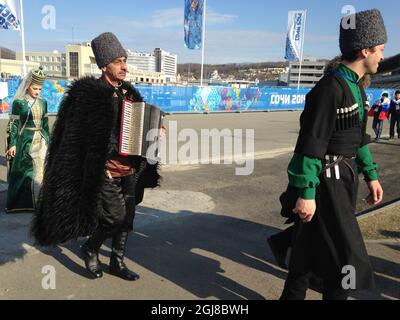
[140, 125]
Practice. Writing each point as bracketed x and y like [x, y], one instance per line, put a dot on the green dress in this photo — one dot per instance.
[29, 131]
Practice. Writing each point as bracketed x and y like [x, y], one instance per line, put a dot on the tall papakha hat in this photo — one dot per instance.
[106, 48]
[369, 31]
[38, 76]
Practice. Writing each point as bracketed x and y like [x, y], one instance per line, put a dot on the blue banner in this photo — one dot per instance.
[193, 24]
[10, 14]
[174, 99]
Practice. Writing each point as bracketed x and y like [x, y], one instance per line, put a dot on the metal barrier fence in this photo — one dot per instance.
[180, 99]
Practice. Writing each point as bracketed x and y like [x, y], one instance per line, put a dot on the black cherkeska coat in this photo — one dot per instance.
[332, 242]
[74, 168]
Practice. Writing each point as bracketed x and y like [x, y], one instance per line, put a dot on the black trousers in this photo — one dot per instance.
[117, 205]
[395, 123]
[116, 209]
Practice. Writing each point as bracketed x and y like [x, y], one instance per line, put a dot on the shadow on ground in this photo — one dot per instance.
[187, 248]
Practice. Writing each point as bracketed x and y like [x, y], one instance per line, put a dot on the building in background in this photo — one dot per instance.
[167, 63]
[159, 67]
[311, 72]
[53, 63]
[142, 61]
[7, 54]
[144, 77]
[14, 68]
[80, 61]
[388, 75]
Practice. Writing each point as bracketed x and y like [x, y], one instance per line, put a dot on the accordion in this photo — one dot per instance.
[140, 125]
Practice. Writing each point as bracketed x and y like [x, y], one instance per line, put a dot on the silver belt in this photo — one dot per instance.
[33, 129]
[332, 165]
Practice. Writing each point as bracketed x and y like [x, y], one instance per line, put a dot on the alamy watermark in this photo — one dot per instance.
[349, 19]
[49, 21]
[49, 280]
[209, 146]
[349, 280]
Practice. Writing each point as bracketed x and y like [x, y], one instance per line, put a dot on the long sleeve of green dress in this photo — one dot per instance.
[14, 125]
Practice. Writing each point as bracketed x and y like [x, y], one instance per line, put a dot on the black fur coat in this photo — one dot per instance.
[75, 164]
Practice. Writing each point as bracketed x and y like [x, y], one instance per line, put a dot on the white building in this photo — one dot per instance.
[81, 61]
[159, 67]
[311, 72]
[10, 68]
[142, 61]
[167, 63]
[159, 61]
[53, 63]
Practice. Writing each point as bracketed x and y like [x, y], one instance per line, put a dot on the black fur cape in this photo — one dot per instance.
[74, 167]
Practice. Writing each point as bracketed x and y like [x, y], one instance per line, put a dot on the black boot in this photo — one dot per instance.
[90, 254]
[117, 265]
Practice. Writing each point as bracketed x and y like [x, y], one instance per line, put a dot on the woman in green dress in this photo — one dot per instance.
[27, 144]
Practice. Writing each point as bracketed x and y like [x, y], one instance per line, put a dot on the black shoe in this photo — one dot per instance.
[117, 265]
[92, 262]
[119, 269]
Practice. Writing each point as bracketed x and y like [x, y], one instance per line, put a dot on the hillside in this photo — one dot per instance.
[241, 71]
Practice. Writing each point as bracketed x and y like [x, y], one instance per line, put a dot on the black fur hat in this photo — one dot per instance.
[369, 31]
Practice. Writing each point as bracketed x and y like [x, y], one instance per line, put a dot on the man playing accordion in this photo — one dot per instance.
[89, 188]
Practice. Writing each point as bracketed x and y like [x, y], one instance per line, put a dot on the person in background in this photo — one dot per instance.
[394, 113]
[381, 110]
[27, 142]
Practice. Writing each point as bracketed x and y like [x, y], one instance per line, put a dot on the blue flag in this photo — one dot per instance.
[193, 23]
[10, 13]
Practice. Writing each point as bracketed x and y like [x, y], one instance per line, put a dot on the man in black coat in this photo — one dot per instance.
[88, 188]
[332, 148]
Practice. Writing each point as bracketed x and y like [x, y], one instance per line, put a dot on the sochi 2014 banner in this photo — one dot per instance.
[193, 24]
[294, 40]
[10, 14]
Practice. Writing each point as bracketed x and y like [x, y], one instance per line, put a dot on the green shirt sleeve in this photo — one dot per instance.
[14, 124]
[303, 173]
[366, 165]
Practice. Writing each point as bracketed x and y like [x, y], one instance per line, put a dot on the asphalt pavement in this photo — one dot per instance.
[202, 235]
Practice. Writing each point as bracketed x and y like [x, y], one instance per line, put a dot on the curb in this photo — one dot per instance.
[383, 241]
[381, 208]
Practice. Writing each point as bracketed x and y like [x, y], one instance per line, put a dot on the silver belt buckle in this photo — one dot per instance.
[336, 167]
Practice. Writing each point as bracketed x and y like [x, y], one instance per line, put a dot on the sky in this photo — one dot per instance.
[237, 31]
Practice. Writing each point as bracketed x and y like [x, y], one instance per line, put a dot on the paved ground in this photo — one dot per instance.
[202, 235]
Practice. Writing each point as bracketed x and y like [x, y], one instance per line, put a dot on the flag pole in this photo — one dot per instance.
[24, 71]
[203, 43]
[302, 48]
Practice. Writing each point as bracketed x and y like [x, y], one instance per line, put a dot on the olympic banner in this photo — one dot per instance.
[295, 35]
[10, 15]
[193, 24]
[175, 99]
